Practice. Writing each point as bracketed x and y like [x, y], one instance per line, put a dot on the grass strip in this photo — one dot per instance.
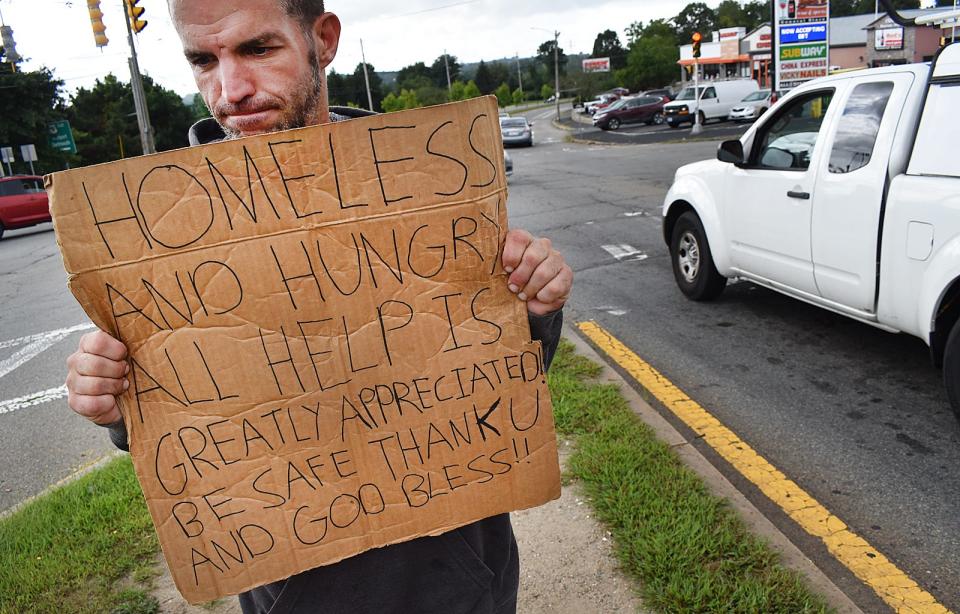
[71, 550]
[687, 548]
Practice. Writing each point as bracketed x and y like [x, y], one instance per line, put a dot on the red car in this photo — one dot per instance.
[23, 202]
[647, 109]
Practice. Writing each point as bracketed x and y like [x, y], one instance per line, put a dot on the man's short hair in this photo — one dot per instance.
[304, 11]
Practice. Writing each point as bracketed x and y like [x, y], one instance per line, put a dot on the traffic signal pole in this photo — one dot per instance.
[139, 97]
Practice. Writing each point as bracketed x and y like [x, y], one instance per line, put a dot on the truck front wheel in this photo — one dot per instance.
[693, 266]
[951, 369]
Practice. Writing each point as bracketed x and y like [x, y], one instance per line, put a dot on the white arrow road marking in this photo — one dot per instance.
[37, 398]
[624, 252]
[35, 344]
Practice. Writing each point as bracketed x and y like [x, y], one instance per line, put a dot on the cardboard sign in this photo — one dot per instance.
[325, 357]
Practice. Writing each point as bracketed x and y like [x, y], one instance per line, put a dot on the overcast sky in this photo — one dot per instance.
[57, 34]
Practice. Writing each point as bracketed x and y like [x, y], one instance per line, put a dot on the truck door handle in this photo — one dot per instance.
[800, 195]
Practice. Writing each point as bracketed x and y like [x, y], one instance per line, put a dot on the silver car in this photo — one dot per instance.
[751, 107]
[516, 131]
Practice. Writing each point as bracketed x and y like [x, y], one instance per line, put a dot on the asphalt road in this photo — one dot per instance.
[43, 442]
[856, 416]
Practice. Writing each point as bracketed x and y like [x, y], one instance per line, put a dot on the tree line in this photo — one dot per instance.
[105, 128]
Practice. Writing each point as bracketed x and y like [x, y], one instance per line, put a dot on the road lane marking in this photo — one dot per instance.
[35, 345]
[624, 252]
[37, 398]
[891, 584]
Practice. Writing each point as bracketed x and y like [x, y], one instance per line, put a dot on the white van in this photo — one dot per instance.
[717, 99]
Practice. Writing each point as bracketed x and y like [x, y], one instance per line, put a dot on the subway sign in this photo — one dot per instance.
[804, 52]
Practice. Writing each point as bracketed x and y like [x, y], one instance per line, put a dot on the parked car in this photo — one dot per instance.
[507, 163]
[516, 131]
[751, 107]
[662, 92]
[714, 102]
[591, 107]
[843, 195]
[23, 202]
[647, 109]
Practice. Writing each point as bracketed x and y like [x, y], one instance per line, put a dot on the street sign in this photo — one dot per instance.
[6, 155]
[802, 32]
[28, 153]
[60, 137]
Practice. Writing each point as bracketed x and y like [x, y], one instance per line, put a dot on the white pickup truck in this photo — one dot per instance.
[846, 195]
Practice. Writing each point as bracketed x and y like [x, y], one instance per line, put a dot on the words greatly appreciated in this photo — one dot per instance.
[324, 355]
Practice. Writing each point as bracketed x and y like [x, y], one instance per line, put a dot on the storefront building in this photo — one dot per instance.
[858, 41]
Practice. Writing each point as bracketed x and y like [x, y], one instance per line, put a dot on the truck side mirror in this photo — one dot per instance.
[731, 152]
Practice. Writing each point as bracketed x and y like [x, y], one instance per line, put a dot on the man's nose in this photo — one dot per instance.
[236, 82]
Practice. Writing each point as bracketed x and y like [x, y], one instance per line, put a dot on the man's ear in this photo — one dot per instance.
[326, 35]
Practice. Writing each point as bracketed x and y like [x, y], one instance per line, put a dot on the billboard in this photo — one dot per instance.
[596, 65]
[802, 31]
[888, 39]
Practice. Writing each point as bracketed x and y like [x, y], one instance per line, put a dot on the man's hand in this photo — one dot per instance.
[538, 273]
[96, 374]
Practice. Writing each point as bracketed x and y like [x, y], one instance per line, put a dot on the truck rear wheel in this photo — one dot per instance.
[693, 266]
[951, 369]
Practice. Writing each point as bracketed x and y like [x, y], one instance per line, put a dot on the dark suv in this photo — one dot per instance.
[23, 202]
[647, 109]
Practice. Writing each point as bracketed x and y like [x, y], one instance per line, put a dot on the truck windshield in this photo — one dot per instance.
[686, 94]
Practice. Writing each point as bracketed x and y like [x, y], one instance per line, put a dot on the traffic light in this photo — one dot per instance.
[134, 13]
[9, 46]
[96, 20]
[697, 38]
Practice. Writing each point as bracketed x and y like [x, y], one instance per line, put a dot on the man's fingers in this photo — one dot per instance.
[100, 343]
[514, 247]
[545, 272]
[100, 409]
[97, 366]
[536, 252]
[558, 290]
[96, 386]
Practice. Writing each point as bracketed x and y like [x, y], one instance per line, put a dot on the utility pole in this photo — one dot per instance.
[366, 77]
[556, 69]
[446, 63]
[519, 72]
[139, 98]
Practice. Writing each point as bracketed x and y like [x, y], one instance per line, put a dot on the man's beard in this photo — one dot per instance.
[298, 112]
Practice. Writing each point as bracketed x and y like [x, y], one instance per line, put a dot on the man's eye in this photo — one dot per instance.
[259, 51]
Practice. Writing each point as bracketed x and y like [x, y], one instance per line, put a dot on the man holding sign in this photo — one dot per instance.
[259, 65]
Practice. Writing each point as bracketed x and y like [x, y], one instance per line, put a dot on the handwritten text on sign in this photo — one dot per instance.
[324, 355]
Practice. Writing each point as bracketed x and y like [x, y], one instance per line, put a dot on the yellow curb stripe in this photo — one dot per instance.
[891, 584]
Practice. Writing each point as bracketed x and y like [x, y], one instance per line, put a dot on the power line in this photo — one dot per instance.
[437, 8]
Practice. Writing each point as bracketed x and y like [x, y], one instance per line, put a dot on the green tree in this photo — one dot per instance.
[730, 14]
[546, 91]
[518, 96]
[406, 100]
[652, 63]
[438, 70]
[545, 55]
[104, 117]
[504, 95]
[471, 90]
[357, 86]
[634, 31]
[484, 78]
[29, 102]
[199, 108]
[411, 76]
[457, 91]
[695, 17]
[607, 45]
[756, 13]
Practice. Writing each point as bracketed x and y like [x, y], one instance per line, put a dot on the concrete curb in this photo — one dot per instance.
[791, 556]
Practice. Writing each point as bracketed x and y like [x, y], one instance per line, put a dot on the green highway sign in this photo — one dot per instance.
[60, 136]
